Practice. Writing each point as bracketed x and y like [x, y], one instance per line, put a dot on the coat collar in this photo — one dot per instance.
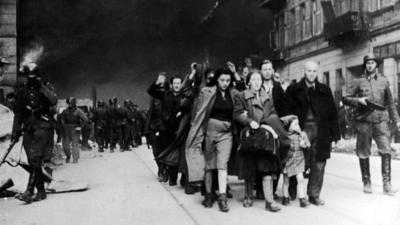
[318, 86]
[264, 96]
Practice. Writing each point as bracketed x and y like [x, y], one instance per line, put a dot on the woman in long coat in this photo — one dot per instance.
[212, 120]
[252, 107]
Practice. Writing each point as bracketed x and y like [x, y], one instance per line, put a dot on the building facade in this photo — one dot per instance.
[8, 45]
[336, 34]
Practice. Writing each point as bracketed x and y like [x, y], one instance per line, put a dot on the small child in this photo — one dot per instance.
[295, 163]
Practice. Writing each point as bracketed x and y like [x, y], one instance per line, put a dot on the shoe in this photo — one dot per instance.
[223, 203]
[272, 206]
[386, 171]
[207, 202]
[190, 190]
[285, 201]
[182, 181]
[365, 174]
[303, 202]
[41, 195]
[172, 183]
[316, 201]
[67, 160]
[41, 191]
[26, 197]
[248, 202]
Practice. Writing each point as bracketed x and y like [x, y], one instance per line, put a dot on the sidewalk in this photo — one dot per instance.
[345, 202]
[123, 191]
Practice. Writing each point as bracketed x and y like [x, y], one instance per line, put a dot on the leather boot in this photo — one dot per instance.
[173, 175]
[27, 196]
[208, 201]
[223, 203]
[41, 192]
[366, 176]
[386, 171]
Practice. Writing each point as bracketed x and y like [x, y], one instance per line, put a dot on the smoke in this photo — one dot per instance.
[32, 55]
[120, 46]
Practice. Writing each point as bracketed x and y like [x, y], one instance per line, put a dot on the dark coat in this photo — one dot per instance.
[325, 113]
[170, 105]
[280, 100]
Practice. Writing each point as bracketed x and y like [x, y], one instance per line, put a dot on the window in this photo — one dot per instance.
[281, 30]
[308, 20]
[302, 21]
[317, 12]
[292, 32]
[325, 78]
[287, 29]
[374, 5]
[298, 24]
[340, 82]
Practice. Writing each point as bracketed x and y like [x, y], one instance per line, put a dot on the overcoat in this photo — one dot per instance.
[325, 112]
[194, 141]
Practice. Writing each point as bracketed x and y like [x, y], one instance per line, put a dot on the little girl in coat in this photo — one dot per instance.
[295, 162]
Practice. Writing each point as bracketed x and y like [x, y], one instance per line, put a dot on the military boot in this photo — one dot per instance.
[27, 196]
[366, 176]
[41, 191]
[386, 170]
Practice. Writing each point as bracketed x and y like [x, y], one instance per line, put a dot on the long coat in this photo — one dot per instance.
[325, 113]
[193, 147]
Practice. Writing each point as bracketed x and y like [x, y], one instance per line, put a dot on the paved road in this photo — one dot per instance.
[124, 190]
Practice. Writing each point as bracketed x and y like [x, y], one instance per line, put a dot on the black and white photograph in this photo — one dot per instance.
[199, 112]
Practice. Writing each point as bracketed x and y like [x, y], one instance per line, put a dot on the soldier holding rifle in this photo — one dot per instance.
[371, 96]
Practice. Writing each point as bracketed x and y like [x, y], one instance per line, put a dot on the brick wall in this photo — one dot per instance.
[8, 42]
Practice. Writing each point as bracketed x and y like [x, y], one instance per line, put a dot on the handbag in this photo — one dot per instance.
[262, 141]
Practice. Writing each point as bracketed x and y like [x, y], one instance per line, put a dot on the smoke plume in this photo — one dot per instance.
[120, 46]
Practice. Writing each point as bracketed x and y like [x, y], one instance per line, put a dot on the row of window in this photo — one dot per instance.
[306, 19]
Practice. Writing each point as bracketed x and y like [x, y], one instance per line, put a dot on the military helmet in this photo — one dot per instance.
[71, 101]
[127, 102]
[100, 103]
[370, 56]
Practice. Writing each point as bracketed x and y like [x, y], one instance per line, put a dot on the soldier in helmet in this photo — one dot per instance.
[72, 121]
[113, 119]
[34, 110]
[373, 89]
[127, 127]
[100, 123]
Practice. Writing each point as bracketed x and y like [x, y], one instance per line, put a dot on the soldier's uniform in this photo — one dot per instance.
[34, 118]
[373, 123]
[72, 120]
[100, 122]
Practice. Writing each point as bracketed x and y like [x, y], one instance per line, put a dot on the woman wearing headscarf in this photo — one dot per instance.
[253, 107]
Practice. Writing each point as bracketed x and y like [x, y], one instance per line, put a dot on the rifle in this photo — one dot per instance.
[10, 147]
[365, 110]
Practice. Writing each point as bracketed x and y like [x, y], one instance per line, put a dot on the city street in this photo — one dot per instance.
[124, 190]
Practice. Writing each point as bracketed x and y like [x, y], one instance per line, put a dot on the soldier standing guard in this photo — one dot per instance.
[371, 96]
[34, 118]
